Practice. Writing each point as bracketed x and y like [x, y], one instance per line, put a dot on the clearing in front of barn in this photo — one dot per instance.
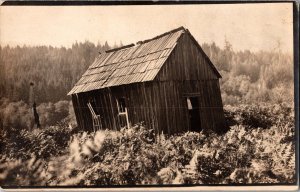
[258, 148]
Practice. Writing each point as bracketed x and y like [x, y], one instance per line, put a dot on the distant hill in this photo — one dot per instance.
[247, 76]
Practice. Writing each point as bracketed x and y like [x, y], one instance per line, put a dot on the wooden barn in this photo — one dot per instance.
[166, 82]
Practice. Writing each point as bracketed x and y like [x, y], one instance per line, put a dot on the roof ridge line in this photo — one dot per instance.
[146, 40]
[161, 35]
[119, 48]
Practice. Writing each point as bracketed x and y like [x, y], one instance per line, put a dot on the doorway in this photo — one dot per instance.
[194, 114]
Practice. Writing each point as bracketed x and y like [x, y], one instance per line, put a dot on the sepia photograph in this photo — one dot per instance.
[148, 95]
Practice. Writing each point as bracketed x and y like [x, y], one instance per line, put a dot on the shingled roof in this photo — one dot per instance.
[133, 63]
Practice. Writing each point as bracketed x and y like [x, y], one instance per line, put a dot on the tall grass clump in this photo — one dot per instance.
[259, 147]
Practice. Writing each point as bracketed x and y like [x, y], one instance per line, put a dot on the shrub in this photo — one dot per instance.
[135, 156]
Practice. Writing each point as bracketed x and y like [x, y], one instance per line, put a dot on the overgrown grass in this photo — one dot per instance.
[258, 148]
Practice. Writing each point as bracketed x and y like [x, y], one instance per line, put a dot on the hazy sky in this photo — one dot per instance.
[245, 26]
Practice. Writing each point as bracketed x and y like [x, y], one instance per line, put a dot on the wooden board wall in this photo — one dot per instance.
[186, 62]
[160, 105]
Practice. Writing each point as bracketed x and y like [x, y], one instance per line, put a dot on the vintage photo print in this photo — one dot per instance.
[156, 95]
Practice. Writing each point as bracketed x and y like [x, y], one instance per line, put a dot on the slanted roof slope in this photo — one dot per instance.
[128, 64]
[132, 63]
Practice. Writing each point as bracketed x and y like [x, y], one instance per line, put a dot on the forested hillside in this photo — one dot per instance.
[53, 70]
[247, 76]
[265, 76]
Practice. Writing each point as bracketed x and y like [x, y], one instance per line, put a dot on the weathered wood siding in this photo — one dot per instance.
[161, 106]
[141, 101]
[191, 71]
[187, 62]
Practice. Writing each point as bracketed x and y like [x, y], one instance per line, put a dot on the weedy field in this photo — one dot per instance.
[259, 147]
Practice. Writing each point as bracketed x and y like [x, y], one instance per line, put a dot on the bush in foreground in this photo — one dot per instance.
[135, 156]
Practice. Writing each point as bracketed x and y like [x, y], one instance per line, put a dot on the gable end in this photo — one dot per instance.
[204, 54]
[187, 61]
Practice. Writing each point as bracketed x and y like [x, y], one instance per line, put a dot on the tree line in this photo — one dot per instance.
[253, 77]
[264, 76]
[53, 70]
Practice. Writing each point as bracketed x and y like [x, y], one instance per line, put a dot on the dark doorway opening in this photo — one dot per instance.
[194, 114]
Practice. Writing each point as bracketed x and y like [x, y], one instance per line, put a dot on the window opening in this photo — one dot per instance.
[96, 118]
[122, 109]
[121, 105]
